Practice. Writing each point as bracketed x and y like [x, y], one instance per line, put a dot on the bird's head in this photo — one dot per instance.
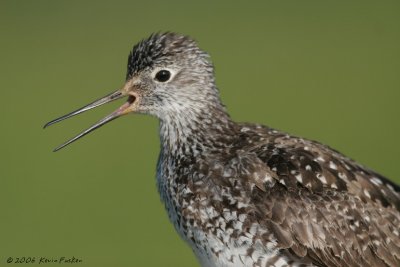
[167, 72]
[168, 75]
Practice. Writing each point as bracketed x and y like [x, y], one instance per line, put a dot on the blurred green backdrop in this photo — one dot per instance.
[324, 70]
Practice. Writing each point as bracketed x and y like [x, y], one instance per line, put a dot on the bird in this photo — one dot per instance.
[245, 194]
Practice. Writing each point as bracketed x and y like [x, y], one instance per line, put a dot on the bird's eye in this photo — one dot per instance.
[163, 75]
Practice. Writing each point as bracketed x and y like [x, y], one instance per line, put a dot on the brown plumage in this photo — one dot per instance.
[322, 207]
[244, 194]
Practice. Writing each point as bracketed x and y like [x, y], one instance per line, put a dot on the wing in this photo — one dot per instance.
[332, 229]
[321, 207]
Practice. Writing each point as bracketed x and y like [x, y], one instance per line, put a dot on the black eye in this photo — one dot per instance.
[163, 75]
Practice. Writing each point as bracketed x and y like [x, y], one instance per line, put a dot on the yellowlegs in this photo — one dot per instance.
[244, 194]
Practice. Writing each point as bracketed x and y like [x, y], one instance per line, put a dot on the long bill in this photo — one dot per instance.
[124, 109]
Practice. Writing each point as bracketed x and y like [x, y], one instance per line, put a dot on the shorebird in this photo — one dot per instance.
[243, 194]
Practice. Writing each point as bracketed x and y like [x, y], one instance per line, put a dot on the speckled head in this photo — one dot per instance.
[166, 72]
[163, 49]
[168, 76]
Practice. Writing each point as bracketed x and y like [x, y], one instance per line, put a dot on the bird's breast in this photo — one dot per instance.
[219, 234]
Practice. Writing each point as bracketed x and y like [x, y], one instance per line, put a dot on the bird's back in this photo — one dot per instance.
[269, 198]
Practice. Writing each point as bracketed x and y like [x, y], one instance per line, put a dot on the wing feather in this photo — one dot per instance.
[321, 207]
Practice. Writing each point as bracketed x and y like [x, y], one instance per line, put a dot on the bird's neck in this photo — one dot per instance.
[195, 129]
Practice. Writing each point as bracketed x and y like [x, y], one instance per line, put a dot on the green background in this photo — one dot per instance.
[325, 70]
